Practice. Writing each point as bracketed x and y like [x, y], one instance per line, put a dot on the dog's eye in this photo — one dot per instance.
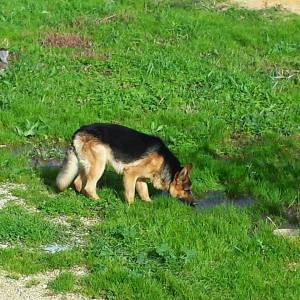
[187, 187]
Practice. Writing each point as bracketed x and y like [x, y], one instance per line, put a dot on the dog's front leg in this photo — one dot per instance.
[142, 189]
[129, 185]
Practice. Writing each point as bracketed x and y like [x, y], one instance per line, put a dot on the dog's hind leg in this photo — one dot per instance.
[142, 189]
[96, 160]
[80, 180]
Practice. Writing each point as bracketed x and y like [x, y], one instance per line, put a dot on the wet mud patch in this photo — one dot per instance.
[213, 199]
[66, 40]
[42, 156]
[38, 162]
[46, 159]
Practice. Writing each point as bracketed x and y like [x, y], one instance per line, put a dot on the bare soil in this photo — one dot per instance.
[70, 40]
[7, 196]
[290, 5]
[34, 287]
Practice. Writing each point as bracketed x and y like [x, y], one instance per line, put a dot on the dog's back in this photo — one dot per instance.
[127, 145]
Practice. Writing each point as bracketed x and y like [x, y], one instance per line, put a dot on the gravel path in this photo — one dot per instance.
[34, 287]
[23, 289]
[6, 195]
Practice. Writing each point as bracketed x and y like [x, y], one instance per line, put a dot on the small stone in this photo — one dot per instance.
[289, 232]
[4, 56]
[54, 248]
[4, 245]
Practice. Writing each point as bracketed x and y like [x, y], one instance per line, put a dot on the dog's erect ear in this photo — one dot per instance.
[189, 167]
[181, 176]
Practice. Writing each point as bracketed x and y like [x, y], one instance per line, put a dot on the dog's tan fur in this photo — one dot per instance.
[93, 156]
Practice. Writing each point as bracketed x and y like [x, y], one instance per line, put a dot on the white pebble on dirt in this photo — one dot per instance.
[7, 196]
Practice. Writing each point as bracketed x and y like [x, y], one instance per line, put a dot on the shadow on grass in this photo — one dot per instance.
[109, 179]
[266, 169]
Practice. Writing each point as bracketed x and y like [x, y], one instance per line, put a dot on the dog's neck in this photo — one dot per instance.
[167, 175]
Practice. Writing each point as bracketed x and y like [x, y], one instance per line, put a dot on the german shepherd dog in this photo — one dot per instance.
[140, 157]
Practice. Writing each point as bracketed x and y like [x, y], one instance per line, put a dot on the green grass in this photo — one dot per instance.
[17, 225]
[221, 88]
[63, 283]
[143, 252]
[29, 261]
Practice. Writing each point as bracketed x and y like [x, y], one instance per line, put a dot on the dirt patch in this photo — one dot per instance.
[6, 195]
[96, 56]
[70, 40]
[293, 266]
[290, 5]
[89, 221]
[32, 287]
[77, 236]
[91, 54]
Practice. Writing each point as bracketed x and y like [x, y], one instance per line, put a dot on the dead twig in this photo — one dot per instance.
[108, 18]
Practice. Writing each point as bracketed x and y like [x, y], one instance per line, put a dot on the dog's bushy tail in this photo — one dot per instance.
[68, 171]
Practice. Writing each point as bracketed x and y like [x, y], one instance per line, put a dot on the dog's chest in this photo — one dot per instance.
[117, 165]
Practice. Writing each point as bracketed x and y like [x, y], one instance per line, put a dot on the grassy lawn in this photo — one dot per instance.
[222, 88]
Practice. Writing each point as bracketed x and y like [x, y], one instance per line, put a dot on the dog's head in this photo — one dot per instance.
[181, 186]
